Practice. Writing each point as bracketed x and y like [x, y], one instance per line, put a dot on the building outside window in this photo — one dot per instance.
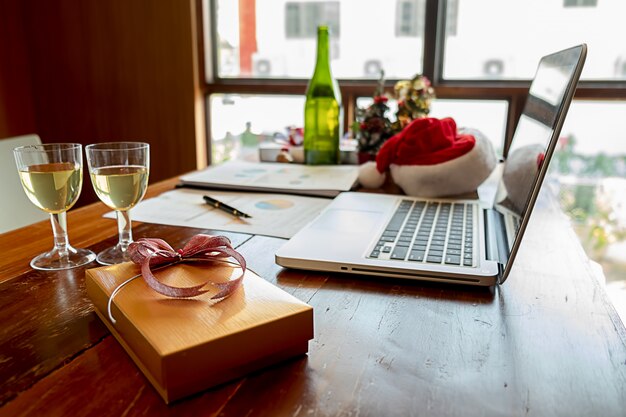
[301, 18]
[580, 3]
[410, 18]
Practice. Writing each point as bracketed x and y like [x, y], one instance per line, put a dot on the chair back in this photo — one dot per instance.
[16, 210]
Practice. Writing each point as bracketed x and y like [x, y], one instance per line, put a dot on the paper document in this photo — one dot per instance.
[323, 180]
[276, 215]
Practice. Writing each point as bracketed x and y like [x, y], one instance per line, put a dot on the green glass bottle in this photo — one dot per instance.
[322, 111]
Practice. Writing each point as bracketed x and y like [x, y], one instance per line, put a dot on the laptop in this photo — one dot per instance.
[470, 242]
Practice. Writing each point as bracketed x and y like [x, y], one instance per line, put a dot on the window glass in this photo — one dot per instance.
[504, 39]
[588, 171]
[301, 18]
[278, 38]
[488, 116]
[580, 3]
[410, 18]
[239, 123]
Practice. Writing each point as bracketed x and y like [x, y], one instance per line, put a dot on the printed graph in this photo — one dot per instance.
[274, 204]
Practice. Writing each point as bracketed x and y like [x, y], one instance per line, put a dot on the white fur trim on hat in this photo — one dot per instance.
[457, 176]
[369, 177]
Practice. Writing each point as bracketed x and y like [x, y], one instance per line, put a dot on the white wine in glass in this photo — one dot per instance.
[119, 174]
[52, 177]
[120, 187]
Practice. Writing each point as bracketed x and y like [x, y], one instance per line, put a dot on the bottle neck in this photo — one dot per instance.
[322, 84]
[323, 51]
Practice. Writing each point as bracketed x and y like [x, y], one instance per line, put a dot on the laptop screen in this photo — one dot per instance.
[537, 132]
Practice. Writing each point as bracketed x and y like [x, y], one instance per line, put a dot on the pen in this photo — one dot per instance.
[225, 207]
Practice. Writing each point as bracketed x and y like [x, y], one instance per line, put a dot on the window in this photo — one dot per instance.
[268, 47]
[276, 39]
[482, 41]
[588, 174]
[243, 122]
[479, 46]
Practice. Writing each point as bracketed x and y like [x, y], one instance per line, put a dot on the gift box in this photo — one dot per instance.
[187, 345]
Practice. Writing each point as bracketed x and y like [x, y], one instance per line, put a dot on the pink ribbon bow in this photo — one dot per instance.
[152, 252]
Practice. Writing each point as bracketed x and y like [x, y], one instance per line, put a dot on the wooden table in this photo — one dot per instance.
[547, 342]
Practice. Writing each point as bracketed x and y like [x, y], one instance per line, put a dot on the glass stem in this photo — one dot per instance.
[59, 229]
[124, 228]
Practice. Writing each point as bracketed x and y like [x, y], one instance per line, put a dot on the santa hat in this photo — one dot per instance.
[430, 158]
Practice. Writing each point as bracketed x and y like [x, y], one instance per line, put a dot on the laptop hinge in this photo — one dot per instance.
[500, 273]
[495, 238]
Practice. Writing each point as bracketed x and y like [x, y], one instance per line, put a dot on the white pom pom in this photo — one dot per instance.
[369, 177]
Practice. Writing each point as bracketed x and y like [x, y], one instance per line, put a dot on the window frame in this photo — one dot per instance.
[512, 91]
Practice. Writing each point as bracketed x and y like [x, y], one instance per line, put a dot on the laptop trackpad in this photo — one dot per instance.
[348, 221]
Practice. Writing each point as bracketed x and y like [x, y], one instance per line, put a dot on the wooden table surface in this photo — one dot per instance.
[547, 342]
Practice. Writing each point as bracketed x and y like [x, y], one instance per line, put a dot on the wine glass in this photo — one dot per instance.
[52, 177]
[119, 174]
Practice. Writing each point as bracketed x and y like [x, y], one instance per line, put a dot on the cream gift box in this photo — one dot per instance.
[187, 345]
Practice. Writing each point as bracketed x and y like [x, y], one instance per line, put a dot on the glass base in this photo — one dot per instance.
[57, 261]
[112, 256]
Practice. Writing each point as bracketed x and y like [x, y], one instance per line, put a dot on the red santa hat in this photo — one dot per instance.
[431, 158]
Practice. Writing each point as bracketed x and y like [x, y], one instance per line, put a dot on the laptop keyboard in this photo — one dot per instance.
[430, 232]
